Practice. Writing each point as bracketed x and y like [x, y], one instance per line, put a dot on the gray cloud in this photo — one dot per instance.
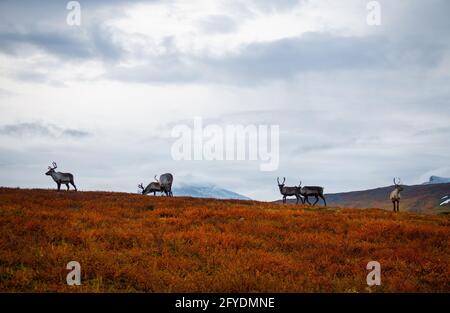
[218, 24]
[286, 58]
[410, 47]
[5, 93]
[252, 7]
[279, 5]
[434, 131]
[97, 43]
[41, 130]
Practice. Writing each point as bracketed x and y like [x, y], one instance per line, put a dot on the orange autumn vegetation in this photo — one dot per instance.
[134, 243]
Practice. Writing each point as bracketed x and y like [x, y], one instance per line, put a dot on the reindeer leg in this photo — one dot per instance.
[317, 200]
[73, 184]
[67, 185]
[59, 186]
[307, 200]
[323, 198]
[284, 199]
[297, 199]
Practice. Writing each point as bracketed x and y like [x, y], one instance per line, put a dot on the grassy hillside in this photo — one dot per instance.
[127, 242]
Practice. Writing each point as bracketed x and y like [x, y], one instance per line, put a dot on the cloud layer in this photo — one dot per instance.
[40, 130]
[356, 104]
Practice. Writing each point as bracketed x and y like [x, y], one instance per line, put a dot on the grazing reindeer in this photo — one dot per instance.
[152, 187]
[395, 195]
[289, 191]
[60, 178]
[165, 181]
[312, 191]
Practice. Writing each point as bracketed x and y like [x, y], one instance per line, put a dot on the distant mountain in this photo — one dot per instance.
[428, 198]
[437, 180]
[207, 191]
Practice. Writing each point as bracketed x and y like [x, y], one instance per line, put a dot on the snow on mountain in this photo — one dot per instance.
[437, 180]
[445, 201]
[207, 191]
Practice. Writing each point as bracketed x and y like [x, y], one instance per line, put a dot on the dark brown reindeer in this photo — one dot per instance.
[395, 195]
[289, 191]
[312, 191]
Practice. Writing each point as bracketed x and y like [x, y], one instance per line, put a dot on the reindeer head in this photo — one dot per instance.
[51, 169]
[282, 184]
[398, 185]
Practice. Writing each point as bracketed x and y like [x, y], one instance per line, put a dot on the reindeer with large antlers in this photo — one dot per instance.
[60, 178]
[288, 191]
[395, 195]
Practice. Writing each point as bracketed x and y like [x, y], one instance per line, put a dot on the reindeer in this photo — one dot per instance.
[395, 195]
[312, 191]
[60, 178]
[165, 181]
[289, 191]
[152, 187]
[163, 185]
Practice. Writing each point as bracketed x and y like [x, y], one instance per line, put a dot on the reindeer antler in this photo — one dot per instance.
[141, 186]
[54, 165]
[284, 179]
[399, 182]
[300, 183]
[156, 178]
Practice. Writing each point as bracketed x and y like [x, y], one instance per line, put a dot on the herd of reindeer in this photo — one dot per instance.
[164, 185]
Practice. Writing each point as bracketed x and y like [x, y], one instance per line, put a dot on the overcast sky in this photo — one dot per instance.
[356, 104]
